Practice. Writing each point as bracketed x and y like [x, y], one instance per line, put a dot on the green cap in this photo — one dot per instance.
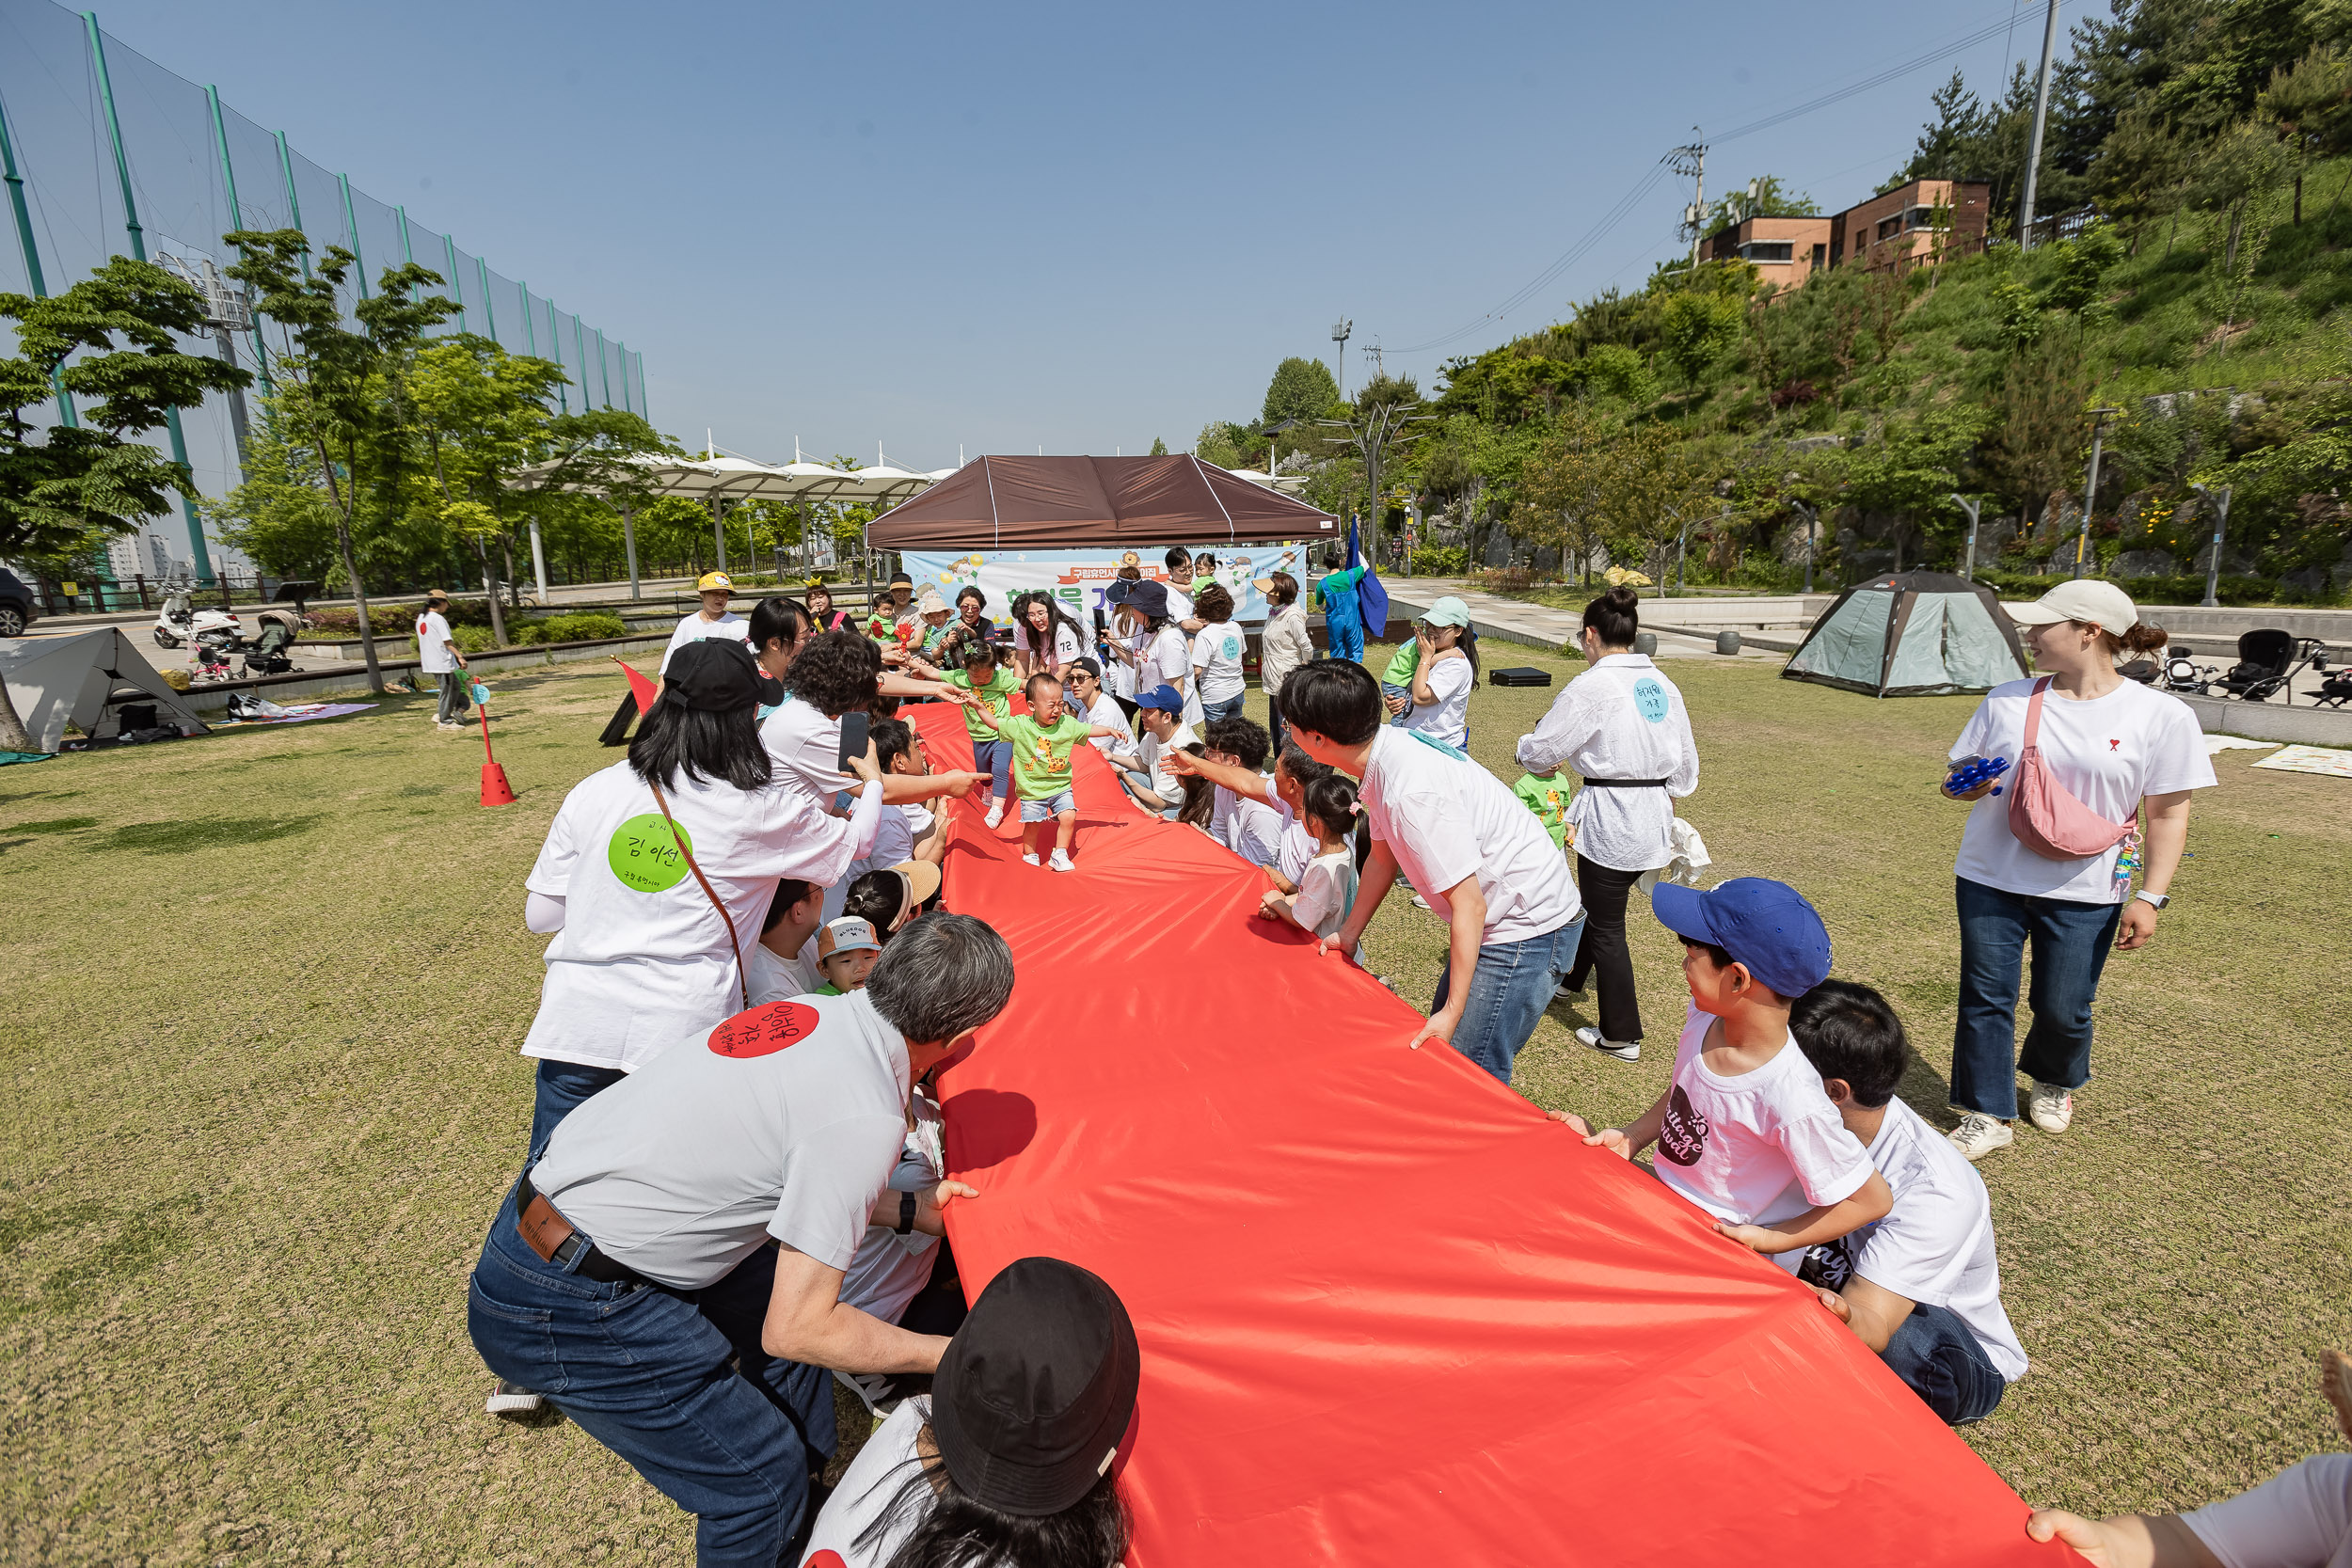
[1448, 611]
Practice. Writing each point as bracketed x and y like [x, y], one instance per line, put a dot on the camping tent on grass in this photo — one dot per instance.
[86, 680]
[1911, 634]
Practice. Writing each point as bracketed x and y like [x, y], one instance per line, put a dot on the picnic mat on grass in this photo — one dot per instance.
[1388, 1313]
[7, 757]
[2310, 759]
[2235, 743]
[297, 712]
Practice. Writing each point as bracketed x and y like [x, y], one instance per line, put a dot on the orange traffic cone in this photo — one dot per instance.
[495, 791]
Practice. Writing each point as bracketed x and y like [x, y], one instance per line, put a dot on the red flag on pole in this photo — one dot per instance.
[639, 686]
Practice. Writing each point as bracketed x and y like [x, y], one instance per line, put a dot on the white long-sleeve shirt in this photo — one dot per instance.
[1619, 720]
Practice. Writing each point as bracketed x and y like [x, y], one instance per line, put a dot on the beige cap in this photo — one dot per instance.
[2087, 599]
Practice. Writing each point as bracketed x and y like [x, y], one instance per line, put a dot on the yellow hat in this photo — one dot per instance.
[714, 581]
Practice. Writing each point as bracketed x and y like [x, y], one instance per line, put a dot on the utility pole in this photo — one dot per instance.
[1968, 562]
[2099, 417]
[1691, 159]
[2221, 499]
[1340, 331]
[2041, 115]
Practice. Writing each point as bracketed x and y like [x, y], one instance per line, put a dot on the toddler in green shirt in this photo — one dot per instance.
[1547, 796]
[992, 685]
[1042, 741]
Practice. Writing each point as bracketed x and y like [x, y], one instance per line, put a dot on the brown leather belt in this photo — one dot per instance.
[552, 1236]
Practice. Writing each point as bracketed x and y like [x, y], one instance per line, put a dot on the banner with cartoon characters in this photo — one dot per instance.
[1079, 577]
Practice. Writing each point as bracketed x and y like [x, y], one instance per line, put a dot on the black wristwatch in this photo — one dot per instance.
[906, 1207]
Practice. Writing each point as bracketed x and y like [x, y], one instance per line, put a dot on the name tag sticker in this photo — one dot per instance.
[1649, 699]
[644, 854]
[764, 1031]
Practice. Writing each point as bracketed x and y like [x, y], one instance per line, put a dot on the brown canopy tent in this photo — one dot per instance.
[1014, 503]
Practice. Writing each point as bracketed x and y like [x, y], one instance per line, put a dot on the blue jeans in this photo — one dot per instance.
[1275, 729]
[1226, 709]
[995, 758]
[1389, 689]
[1512, 985]
[1941, 1361]
[2070, 943]
[561, 1088]
[651, 1375]
[1345, 641]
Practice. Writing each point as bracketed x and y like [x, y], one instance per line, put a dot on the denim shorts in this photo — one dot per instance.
[1041, 811]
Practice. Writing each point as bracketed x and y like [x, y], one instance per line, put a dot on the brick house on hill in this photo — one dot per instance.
[1893, 229]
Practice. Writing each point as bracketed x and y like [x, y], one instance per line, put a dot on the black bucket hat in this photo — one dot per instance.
[1036, 1389]
[719, 677]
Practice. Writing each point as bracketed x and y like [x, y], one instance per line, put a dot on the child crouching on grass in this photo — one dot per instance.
[1326, 888]
[1746, 1131]
[1042, 741]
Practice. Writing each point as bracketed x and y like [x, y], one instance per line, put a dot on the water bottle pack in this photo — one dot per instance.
[1976, 770]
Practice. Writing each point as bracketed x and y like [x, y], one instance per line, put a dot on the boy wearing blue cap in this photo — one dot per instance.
[1155, 786]
[1746, 1131]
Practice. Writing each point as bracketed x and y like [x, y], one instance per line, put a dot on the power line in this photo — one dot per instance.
[1876, 79]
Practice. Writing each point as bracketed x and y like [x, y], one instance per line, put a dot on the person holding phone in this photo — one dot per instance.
[835, 675]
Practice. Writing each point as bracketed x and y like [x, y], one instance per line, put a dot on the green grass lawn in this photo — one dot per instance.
[266, 990]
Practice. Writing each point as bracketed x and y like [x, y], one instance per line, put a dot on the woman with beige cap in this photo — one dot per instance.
[2051, 844]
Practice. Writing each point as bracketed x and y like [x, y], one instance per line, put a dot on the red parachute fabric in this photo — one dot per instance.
[1389, 1313]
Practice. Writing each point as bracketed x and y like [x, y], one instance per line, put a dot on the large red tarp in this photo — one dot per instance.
[1388, 1313]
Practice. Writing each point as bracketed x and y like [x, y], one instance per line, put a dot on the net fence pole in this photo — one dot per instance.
[449, 251]
[236, 221]
[204, 561]
[351, 227]
[32, 253]
[490, 311]
[294, 202]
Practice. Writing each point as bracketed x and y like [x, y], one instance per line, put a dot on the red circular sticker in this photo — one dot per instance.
[764, 1031]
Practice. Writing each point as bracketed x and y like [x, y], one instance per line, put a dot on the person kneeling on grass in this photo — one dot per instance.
[1921, 1287]
[1156, 784]
[1745, 1132]
[1043, 740]
[629, 1275]
[1009, 1459]
[2299, 1518]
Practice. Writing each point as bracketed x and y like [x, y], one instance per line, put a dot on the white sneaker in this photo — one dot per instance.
[1979, 1134]
[996, 813]
[1060, 861]
[871, 1388]
[1028, 860]
[511, 1398]
[1419, 902]
[1625, 1051]
[2051, 1107]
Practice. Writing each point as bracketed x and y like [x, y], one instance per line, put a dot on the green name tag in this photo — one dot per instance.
[644, 854]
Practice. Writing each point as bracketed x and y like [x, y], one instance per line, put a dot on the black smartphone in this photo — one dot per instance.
[852, 738]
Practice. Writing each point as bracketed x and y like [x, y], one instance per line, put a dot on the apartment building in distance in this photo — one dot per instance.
[1896, 228]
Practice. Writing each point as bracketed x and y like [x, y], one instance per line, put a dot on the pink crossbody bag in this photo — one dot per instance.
[2042, 815]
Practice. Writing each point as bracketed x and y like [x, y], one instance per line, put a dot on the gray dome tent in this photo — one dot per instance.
[1911, 634]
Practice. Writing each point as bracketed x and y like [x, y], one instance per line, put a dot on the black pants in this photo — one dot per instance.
[1605, 891]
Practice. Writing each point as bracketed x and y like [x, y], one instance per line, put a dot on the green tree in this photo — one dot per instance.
[1772, 198]
[1159, 448]
[63, 486]
[1695, 331]
[352, 413]
[1301, 389]
[1909, 473]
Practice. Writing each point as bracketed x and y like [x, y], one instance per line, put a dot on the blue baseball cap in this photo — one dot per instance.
[1762, 923]
[1166, 698]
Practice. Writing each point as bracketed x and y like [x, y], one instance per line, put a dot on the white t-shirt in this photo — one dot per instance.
[868, 1487]
[643, 958]
[806, 748]
[1253, 830]
[1167, 786]
[1327, 890]
[1448, 717]
[1445, 817]
[1622, 718]
[433, 654]
[1756, 1149]
[1179, 604]
[1166, 661]
[1216, 653]
[1935, 1245]
[2110, 752]
[1297, 848]
[774, 979]
[1121, 676]
[693, 628]
[1067, 642]
[2299, 1518]
[782, 1122]
[1110, 716]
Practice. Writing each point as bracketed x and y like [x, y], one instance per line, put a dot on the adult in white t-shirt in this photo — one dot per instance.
[1483, 860]
[783, 963]
[1438, 702]
[642, 955]
[1038, 624]
[1922, 1287]
[1218, 650]
[735, 1175]
[712, 620]
[437, 657]
[2115, 746]
[1621, 727]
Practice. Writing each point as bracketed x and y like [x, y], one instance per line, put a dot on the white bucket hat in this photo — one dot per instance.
[2087, 599]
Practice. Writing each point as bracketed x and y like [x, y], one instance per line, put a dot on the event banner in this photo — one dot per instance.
[1079, 577]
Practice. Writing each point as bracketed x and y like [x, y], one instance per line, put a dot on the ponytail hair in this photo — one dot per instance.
[2143, 638]
[1331, 801]
[1615, 617]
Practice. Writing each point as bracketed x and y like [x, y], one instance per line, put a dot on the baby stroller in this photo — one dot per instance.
[2268, 659]
[2336, 690]
[268, 655]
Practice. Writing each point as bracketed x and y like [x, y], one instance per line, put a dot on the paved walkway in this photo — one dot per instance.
[1499, 620]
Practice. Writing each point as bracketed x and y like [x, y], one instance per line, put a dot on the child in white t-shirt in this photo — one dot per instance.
[1745, 1132]
[1326, 889]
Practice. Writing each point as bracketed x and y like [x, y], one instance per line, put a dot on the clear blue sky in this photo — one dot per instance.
[1075, 226]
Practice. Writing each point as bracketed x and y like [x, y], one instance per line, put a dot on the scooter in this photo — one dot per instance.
[179, 623]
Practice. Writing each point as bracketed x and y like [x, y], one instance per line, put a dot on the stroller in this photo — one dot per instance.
[2268, 660]
[268, 655]
[2334, 691]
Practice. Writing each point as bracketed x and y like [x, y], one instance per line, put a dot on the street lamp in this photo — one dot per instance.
[2099, 417]
[2221, 497]
[1968, 562]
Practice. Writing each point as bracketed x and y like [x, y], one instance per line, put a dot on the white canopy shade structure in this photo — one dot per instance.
[1288, 485]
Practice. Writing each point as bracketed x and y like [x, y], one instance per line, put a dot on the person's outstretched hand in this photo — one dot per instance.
[1335, 943]
[960, 784]
[930, 1217]
[1178, 760]
[2099, 1544]
[1754, 1237]
[1575, 1123]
